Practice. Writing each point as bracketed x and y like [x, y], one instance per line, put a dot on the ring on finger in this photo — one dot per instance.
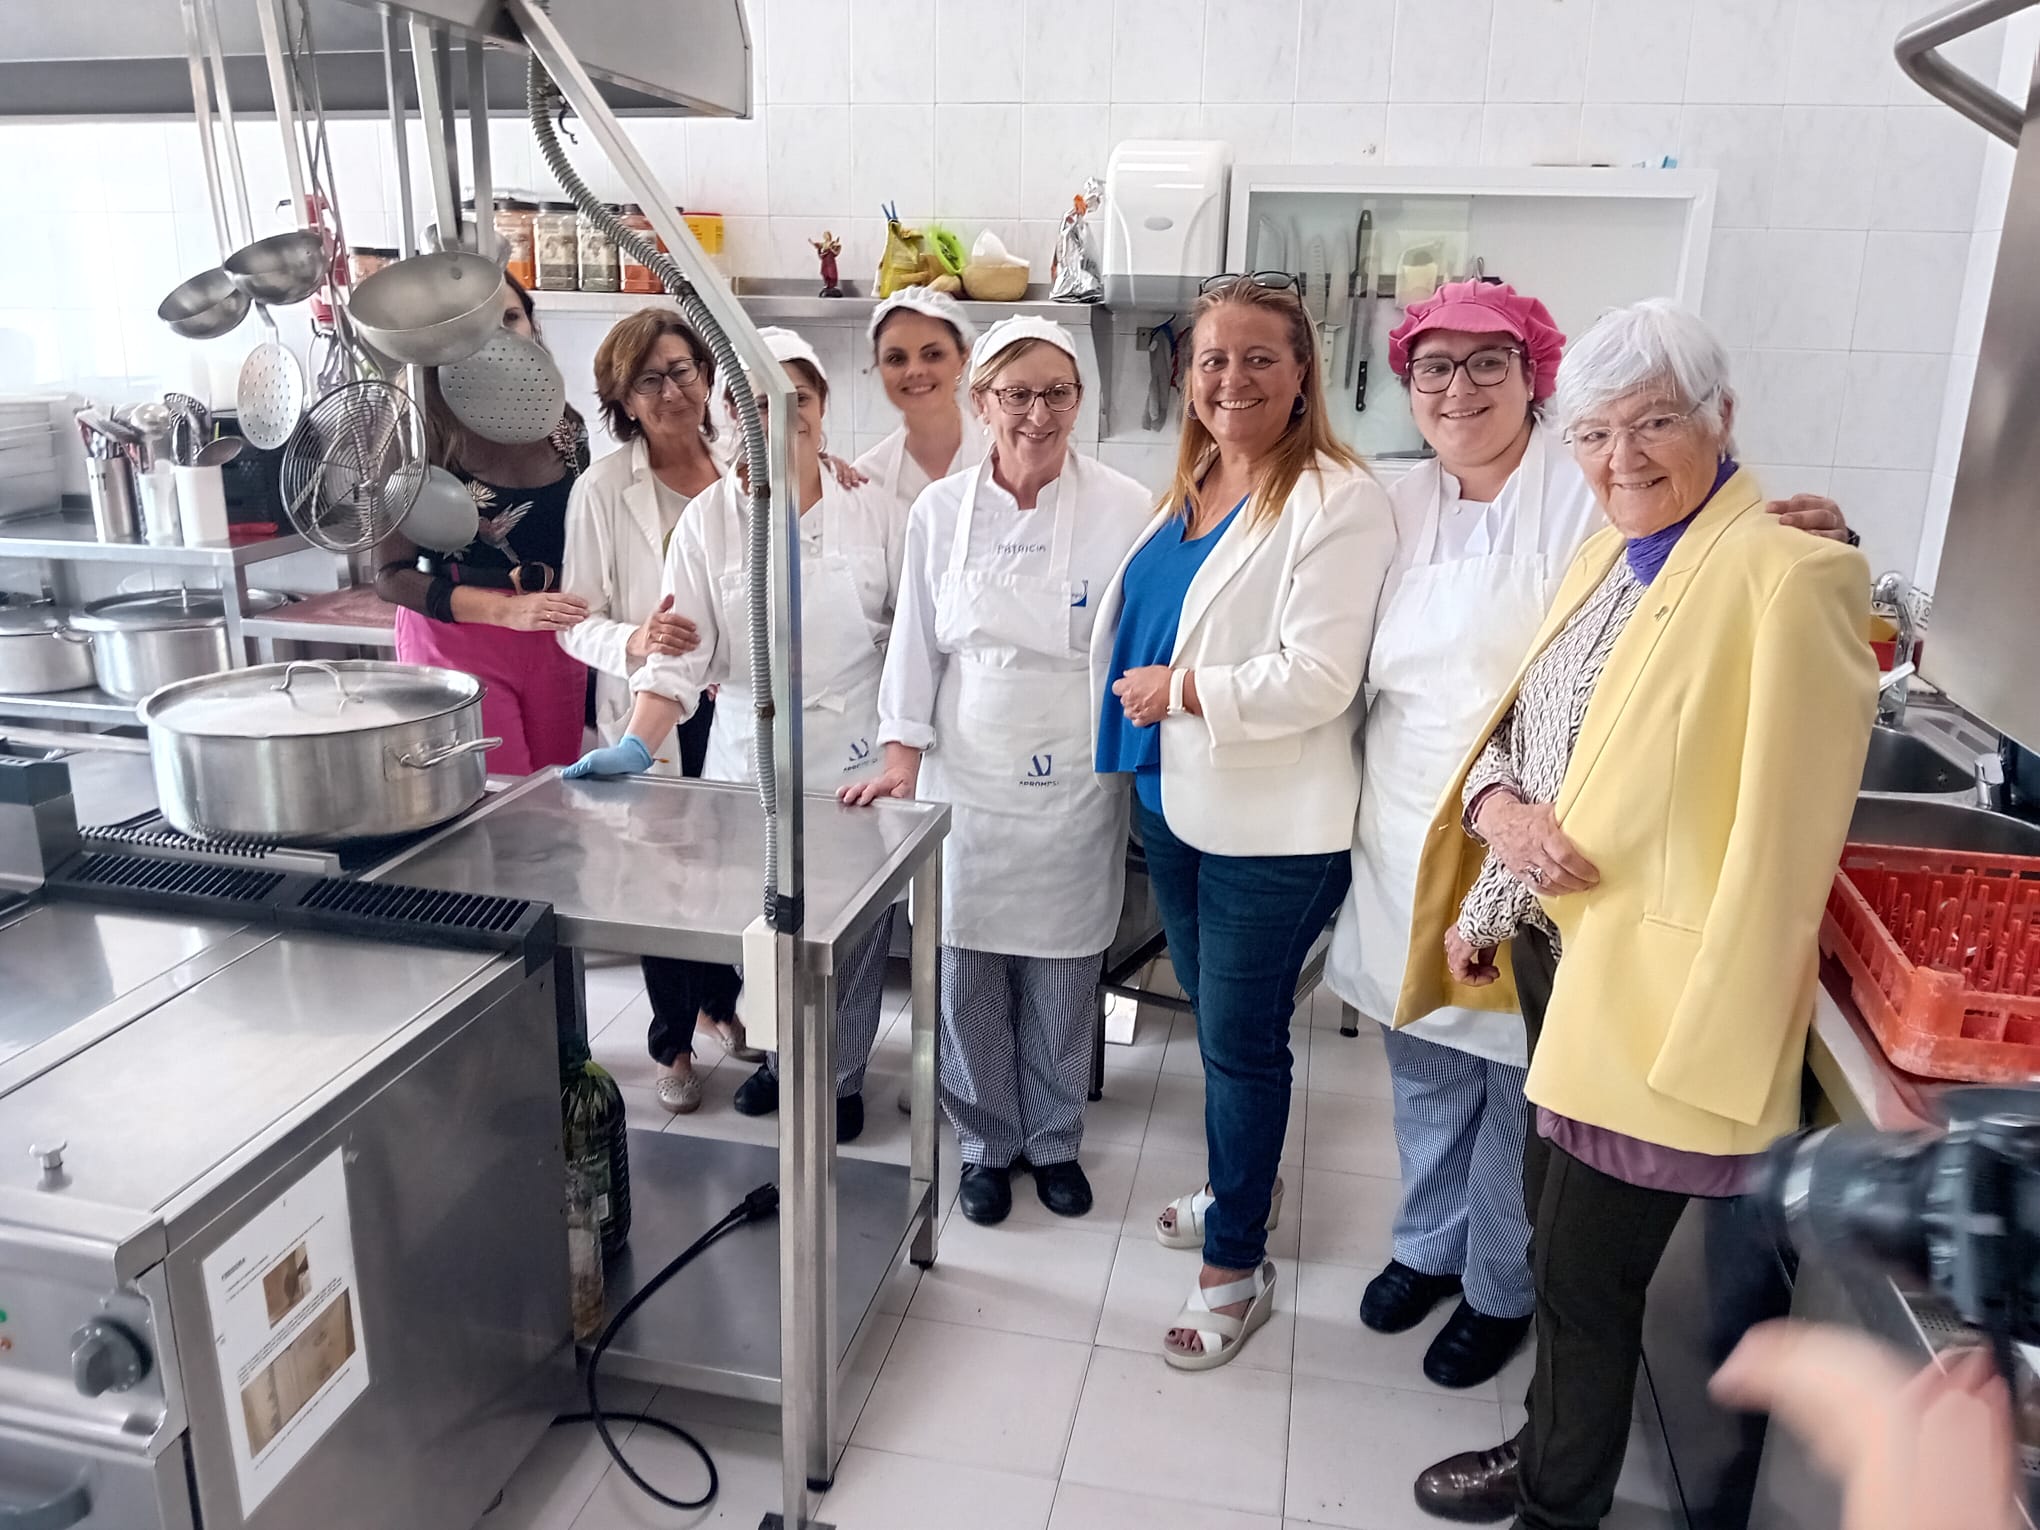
[1535, 874]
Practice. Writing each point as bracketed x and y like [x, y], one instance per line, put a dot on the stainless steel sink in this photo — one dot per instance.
[1940, 824]
[1903, 762]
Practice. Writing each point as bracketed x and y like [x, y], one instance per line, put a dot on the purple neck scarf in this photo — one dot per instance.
[1647, 555]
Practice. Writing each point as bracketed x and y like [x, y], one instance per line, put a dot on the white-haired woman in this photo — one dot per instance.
[1483, 531]
[1650, 827]
[919, 342]
[851, 543]
[1232, 644]
[986, 705]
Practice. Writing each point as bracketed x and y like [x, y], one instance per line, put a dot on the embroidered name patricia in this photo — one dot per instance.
[1009, 549]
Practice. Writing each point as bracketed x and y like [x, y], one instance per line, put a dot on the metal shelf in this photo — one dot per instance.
[86, 705]
[62, 537]
[356, 616]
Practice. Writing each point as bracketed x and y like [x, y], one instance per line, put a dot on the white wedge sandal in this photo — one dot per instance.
[1190, 1209]
[1220, 1335]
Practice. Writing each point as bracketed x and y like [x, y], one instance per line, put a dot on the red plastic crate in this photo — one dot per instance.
[1942, 949]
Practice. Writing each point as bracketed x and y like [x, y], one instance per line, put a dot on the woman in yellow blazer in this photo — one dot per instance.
[1662, 797]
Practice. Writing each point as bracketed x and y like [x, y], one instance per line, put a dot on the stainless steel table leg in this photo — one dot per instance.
[1098, 1051]
[807, 1231]
[570, 997]
[924, 1131]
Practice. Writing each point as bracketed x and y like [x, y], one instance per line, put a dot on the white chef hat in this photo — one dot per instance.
[785, 346]
[926, 300]
[1021, 326]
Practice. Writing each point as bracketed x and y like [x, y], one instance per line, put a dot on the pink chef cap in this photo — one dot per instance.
[1480, 307]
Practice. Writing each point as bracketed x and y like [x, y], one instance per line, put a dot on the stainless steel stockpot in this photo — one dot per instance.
[35, 655]
[143, 642]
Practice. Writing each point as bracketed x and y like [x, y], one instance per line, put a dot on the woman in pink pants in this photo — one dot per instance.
[494, 609]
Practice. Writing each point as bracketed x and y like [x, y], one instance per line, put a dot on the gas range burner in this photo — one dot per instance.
[151, 835]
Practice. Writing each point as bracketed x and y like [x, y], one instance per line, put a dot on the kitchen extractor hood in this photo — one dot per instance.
[126, 58]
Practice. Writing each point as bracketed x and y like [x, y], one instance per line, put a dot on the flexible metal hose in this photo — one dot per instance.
[539, 97]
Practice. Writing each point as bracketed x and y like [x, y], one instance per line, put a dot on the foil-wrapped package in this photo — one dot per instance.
[1078, 276]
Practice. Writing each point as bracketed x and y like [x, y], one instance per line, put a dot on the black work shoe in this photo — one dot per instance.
[1473, 1347]
[1475, 1487]
[1398, 1298]
[1063, 1188]
[757, 1095]
[849, 1117]
[986, 1193]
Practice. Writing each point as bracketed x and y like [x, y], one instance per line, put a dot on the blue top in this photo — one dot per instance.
[1151, 609]
[1647, 555]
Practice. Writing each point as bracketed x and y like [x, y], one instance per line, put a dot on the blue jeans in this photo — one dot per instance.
[1239, 928]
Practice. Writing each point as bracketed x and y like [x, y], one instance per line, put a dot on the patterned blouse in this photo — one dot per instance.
[1532, 746]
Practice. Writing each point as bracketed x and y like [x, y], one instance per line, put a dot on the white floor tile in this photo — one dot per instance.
[975, 1396]
[1150, 1040]
[1330, 1341]
[1121, 1115]
[1350, 1134]
[1336, 1479]
[1347, 1218]
[747, 1463]
[1020, 1277]
[641, 1107]
[1149, 1286]
[1214, 1437]
[876, 1490]
[898, 1291]
[1350, 1064]
[557, 1478]
[867, 1358]
[1088, 1508]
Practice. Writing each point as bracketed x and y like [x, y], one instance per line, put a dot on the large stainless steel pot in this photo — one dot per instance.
[313, 753]
[141, 643]
[35, 657]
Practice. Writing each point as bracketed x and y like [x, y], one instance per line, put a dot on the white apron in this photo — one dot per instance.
[889, 465]
[1036, 854]
[1448, 641]
[839, 674]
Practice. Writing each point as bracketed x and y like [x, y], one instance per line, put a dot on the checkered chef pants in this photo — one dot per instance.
[860, 1000]
[1016, 1053]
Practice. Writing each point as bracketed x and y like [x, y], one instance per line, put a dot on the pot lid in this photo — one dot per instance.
[22, 619]
[157, 610]
[308, 699]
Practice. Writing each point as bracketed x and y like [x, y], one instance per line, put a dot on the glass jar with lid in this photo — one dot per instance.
[558, 247]
[597, 256]
[637, 276]
[515, 219]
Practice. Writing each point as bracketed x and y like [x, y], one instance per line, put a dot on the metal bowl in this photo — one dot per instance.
[284, 268]
[205, 307]
[430, 310]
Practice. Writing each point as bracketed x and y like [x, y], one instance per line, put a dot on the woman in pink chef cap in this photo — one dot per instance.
[1484, 530]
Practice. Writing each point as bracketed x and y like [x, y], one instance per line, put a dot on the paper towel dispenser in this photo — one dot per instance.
[1165, 219]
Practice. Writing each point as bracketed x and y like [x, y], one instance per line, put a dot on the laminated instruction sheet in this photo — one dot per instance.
[286, 1324]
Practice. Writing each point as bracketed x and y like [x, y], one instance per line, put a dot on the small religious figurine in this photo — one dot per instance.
[829, 247]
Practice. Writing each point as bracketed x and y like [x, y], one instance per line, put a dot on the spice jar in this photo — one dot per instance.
[364, 260]
[637, 276]
[599, 271]
[558, 247]
[514, 226]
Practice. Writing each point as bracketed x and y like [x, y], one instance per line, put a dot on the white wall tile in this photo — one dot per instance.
[1979, 275]
[1929, 171]
[1933, 530]
[1740, 52]
[1521, 134]
[1339, 132]
[1613, 134]
[1157, 47]
[1788, 403]
[1441, 50]
[977, 161]
[1740, 143]
[1433, 135]
[1912, 292]
[1891, 412]
[1841, 52]
[1638, 52]
[810, 59]
[135, 166]
[892, 159]
[727, 165]
[1344, 49]
[1827, 167]
[1537, 50]
[892, 51]
[979, 50]
[661, 140]
[1060, 147]
[807, 157]
[1068, 51]
[1783, 480]
[1885, 507]
[1250, 50]
[1258, 134]
[1152, 119]
[1954, 414]
[1786, 288]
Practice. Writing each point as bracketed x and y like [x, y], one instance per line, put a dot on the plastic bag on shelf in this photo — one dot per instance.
[1076, 276]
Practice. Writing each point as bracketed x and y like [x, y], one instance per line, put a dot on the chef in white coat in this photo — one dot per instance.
[920, 341]
[986, 704]
[1484, 531]
[851, 544]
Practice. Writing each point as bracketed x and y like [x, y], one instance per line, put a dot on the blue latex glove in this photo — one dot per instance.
[628, 756]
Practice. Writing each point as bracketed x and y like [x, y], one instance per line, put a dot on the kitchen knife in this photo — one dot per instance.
[1363, 322]
[1361, 237]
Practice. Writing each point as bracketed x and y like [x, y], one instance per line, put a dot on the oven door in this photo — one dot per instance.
[54, 1483]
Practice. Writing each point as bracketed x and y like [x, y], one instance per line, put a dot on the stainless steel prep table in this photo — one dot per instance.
[657, 866]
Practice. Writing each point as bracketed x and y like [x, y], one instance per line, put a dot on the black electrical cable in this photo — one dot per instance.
[760, 1204]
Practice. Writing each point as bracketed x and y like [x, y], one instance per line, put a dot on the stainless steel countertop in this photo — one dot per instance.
[70, 538]
[655, 866]
[1861, 1084]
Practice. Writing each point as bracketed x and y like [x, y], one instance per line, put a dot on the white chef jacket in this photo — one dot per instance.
[1113, 510]
[893, 468]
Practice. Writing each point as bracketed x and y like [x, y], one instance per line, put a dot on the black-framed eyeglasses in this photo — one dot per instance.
[1271, 281]
[681, 374]
[1060, 397]
[1484, 369]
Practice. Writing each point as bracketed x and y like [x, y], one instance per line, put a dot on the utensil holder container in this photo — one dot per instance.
[158, 489]
[115, 515]
[201, 504]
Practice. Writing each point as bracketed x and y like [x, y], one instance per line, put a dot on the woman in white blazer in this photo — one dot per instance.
[654, 378]
[919, 342]
[1232, 643]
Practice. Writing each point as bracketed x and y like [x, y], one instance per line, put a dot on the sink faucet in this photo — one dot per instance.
[1892, 595]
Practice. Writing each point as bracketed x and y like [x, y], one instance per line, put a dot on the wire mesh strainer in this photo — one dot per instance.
[352, 468]
[270, 396]
[509, 391]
